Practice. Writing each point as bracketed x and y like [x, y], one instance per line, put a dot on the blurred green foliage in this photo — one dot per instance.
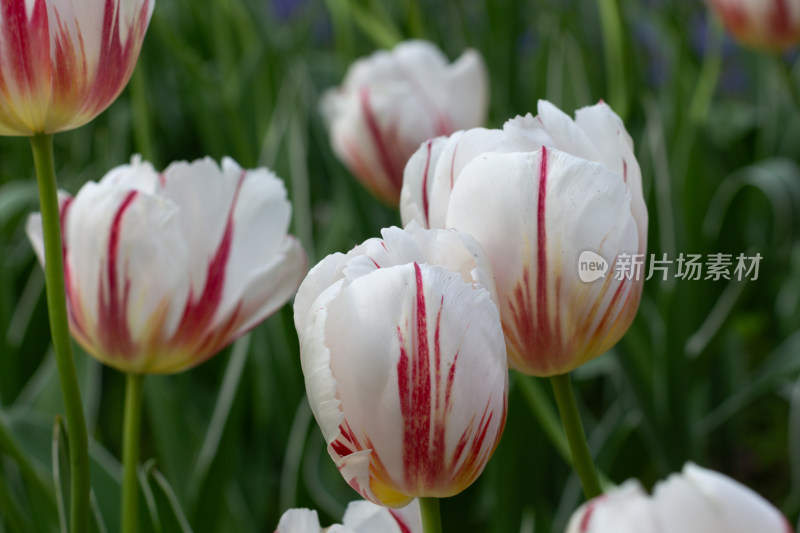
[708, 372]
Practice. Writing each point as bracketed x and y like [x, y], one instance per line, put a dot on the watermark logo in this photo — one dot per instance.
[689, 267]
[591, 266]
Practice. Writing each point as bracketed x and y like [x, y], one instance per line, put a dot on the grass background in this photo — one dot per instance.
[708, 371]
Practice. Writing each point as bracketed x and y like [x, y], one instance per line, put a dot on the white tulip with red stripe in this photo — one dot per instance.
[163, 270]
[537, 194]
[360, 517]
[404, 362]
[766, 24]
[392, 101]
[63, 62]
[695, 501]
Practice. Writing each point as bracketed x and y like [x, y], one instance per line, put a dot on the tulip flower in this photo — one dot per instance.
[695, 501]
[404, 363]
[765, 24]
[392, 101]
[360, 517]
[163, 270]
[537, 195]
[63, 63]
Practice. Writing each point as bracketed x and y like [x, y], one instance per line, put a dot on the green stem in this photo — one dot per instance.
[130, 453]
[545, 414]
[431, 517]
[42, 147]
[143, 138]
[709, 75]
[613, 41]
[571, 418]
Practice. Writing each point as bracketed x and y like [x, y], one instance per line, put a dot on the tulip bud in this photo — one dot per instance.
[536, 195]
[392, 101]
[765, 24]
[695, 501]
[164, 270]
[63, 63]
[404, 363]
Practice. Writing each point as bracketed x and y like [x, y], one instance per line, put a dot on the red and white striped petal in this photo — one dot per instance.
[696, 500]
[417, 341]
[391, 102]
[159, 276]
[764, 24]
[535, 213]
[63, 62]
[404, 363]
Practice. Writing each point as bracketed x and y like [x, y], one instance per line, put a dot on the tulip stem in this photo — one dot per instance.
[42, 148]
[614, 44]
[571, 419]
[431, 517]
[131, 433]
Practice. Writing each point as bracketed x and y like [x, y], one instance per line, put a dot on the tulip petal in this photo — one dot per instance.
[625, 510]
[468, 94]
[744, 510]
[415, 198]
[374, 386]
[362, 516]
[268, 288]
[299, 521]
[579, 205]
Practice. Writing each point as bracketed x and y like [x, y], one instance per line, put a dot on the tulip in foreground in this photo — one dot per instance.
[765, 24]
[392, 101]
[404, 363]
[360, 517]
[62, 63]
[163, 270]
[695, 501]
[536, 195]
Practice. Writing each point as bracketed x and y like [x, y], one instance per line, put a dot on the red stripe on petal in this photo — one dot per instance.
[780, 19]
[624, 171]
[391, 167]
[541, 251]
[200, 312]
[587, 515]
[115, 337]
[425, 208]
[404, 528]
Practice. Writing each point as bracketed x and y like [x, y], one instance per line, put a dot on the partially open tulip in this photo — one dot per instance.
[695, 501]
[163, 270]
[360, 517]
[62, 63]
[537, 195]
[404, 363]
[390, 102]
[765, 24]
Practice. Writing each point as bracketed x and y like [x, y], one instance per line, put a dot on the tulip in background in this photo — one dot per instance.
[404, 363]
[62, 63]
[360, 517]
[764, 24]
[695, 501]
[163, 270]
[390, 102]
[536, 195]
